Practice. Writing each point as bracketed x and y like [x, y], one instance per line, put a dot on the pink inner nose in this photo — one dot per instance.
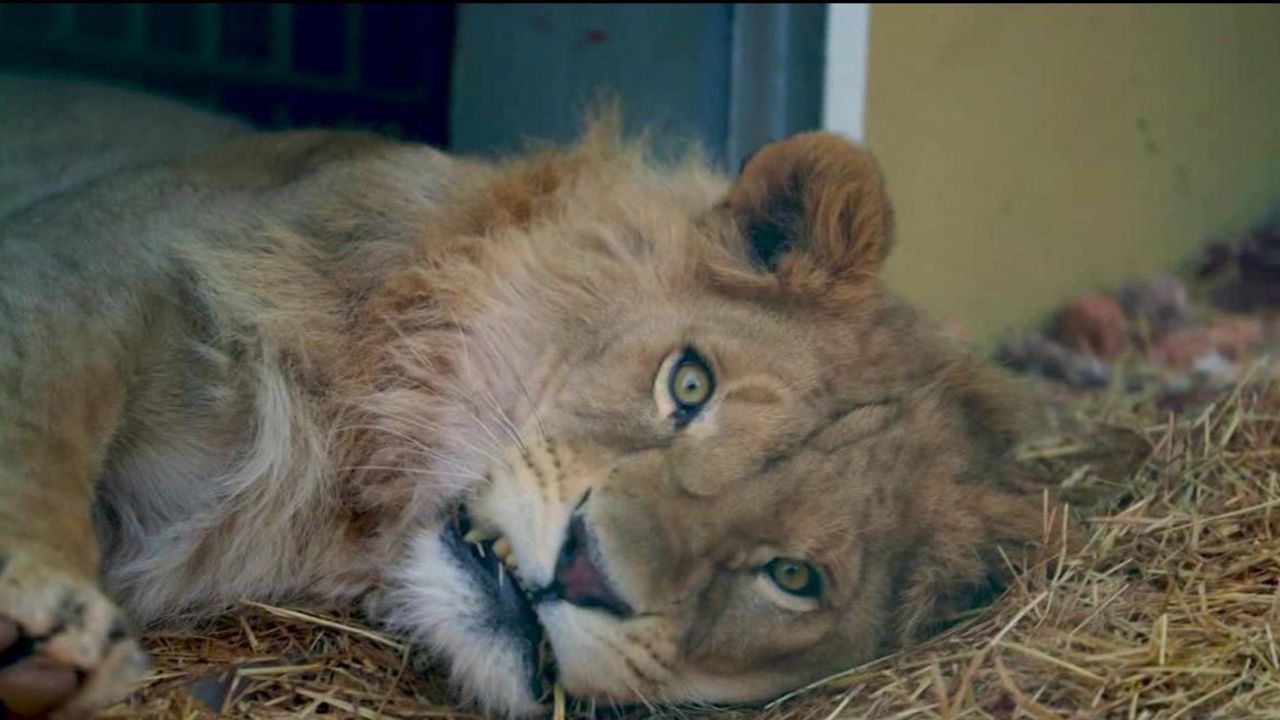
[579, 580]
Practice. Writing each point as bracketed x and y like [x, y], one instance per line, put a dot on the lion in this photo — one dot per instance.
[580, 416]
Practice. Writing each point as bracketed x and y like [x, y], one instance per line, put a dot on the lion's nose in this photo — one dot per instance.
[578, 578]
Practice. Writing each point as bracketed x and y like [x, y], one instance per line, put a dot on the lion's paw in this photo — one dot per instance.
[64, 647]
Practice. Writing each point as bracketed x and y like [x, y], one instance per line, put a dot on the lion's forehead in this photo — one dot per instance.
[850, 476]
[837, 499]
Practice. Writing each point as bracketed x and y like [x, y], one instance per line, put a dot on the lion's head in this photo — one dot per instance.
[697, 445]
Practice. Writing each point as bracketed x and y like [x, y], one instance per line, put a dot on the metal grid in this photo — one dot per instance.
[283, 65]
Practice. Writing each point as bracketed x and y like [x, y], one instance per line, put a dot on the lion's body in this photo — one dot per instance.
[192, 321]
[266, 362]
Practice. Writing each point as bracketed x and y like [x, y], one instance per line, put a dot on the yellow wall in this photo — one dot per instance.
[1035, 151]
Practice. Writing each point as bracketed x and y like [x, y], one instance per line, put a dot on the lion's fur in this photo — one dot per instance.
[271, 363]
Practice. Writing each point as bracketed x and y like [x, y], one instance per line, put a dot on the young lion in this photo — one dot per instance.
[674, 426]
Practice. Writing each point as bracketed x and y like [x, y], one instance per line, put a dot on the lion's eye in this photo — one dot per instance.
[691, 382]
[794, 576]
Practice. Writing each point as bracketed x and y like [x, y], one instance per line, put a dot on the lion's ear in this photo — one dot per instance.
[967, 555]
[984, 523]
[814, 203]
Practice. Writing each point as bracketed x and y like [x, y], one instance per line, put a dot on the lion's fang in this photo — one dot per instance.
[502, 548]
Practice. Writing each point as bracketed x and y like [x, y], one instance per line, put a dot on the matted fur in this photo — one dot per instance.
[274, 367]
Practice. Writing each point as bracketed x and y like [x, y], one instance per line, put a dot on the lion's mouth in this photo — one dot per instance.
[489, 562]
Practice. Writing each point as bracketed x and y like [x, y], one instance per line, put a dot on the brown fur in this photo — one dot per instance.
[320, 344]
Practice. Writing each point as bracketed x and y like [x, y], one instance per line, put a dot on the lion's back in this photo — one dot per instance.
[57, 134]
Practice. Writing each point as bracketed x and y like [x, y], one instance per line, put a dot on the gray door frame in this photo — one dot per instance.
[730, 76]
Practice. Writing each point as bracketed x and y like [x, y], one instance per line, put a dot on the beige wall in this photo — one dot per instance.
[1037, 151]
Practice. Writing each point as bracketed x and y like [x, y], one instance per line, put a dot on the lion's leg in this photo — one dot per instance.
[64, 646]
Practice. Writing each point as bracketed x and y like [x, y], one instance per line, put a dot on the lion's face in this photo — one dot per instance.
[721, 478]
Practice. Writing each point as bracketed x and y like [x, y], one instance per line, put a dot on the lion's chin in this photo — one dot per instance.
[456, 598]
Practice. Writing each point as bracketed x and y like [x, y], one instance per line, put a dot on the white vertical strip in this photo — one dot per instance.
[844, 91]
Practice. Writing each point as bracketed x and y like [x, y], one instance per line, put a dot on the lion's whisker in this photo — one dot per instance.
[415, 471]
[421, 424]
[524, 389]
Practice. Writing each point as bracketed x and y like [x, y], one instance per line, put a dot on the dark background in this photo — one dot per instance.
[384, 67]
[466, 77]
